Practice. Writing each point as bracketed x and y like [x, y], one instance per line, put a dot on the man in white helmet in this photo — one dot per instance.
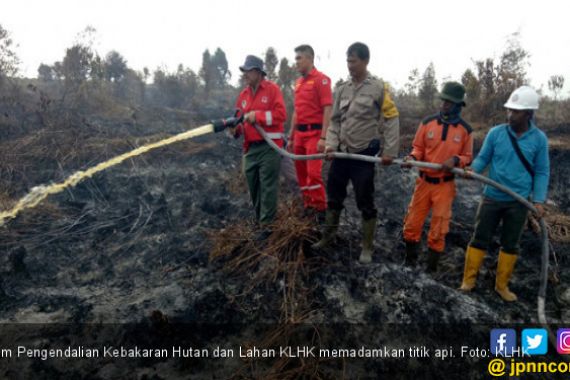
[516, 154]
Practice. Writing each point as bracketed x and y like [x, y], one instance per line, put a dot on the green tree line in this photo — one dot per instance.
[84, 77]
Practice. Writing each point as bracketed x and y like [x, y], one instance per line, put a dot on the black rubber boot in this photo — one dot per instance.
[433, 259]
[412, 249]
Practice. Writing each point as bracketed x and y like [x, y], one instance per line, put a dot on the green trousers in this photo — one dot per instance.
[489, 215]
[261, 166]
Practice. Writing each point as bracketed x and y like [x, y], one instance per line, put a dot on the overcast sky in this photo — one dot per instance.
[402, 34]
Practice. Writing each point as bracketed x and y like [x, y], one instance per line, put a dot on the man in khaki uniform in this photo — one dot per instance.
[359, 106]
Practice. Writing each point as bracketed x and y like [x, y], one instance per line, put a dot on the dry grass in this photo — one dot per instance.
[236, 184]
[558, 225]
[559, 142]
[6, 201]
[281, 259]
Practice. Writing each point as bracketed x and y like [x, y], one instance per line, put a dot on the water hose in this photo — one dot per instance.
[39, 193]
[460, 172]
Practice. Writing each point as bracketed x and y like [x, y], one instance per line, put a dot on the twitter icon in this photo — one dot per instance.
[534, 341]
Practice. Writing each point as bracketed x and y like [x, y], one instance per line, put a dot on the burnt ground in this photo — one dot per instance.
[132, 247]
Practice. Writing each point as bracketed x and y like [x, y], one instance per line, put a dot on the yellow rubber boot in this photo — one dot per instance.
[505, 267]
[473, 260]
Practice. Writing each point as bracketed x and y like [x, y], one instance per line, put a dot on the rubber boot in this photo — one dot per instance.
[368, 231]
[321, 216]
[412, 249]
[332, 218]
[473, 260]
[309, 212]
[433, 259]
[505, 267]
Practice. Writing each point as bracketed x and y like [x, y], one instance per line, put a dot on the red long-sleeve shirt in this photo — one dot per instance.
[270, 113]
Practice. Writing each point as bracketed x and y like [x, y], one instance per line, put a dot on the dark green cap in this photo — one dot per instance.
[454, 92]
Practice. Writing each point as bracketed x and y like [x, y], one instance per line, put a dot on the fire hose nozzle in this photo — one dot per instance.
[230, 122]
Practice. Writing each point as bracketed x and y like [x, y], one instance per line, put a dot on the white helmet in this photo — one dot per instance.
[523, 98]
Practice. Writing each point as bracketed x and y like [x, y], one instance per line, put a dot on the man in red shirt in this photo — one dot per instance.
[261, 103]
[313, 107]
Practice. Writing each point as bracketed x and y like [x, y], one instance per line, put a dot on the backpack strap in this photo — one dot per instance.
[520, 154]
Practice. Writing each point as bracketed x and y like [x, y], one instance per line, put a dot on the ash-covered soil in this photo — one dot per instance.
[133, 244]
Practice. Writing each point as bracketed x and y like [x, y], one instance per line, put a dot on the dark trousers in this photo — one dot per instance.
[489, 214]
[362, 176]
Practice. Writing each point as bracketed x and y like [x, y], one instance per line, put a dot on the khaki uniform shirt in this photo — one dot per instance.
[357, 117]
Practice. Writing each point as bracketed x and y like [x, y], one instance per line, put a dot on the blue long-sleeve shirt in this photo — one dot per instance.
[507, 169]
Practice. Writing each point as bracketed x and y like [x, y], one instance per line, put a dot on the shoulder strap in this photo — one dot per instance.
[520, 154]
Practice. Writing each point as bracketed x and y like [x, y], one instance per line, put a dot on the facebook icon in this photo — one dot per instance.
[503, 342]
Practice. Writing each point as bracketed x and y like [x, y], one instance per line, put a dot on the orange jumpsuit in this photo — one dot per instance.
[436, 141]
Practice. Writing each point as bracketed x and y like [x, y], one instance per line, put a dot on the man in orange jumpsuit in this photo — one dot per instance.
[313, 107]
[445, 139]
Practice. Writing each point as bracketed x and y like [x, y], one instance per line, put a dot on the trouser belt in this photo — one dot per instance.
[308, 127]
[436, 180]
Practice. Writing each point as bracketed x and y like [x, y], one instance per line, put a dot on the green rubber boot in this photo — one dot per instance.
[332, 218]
[368, 231]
